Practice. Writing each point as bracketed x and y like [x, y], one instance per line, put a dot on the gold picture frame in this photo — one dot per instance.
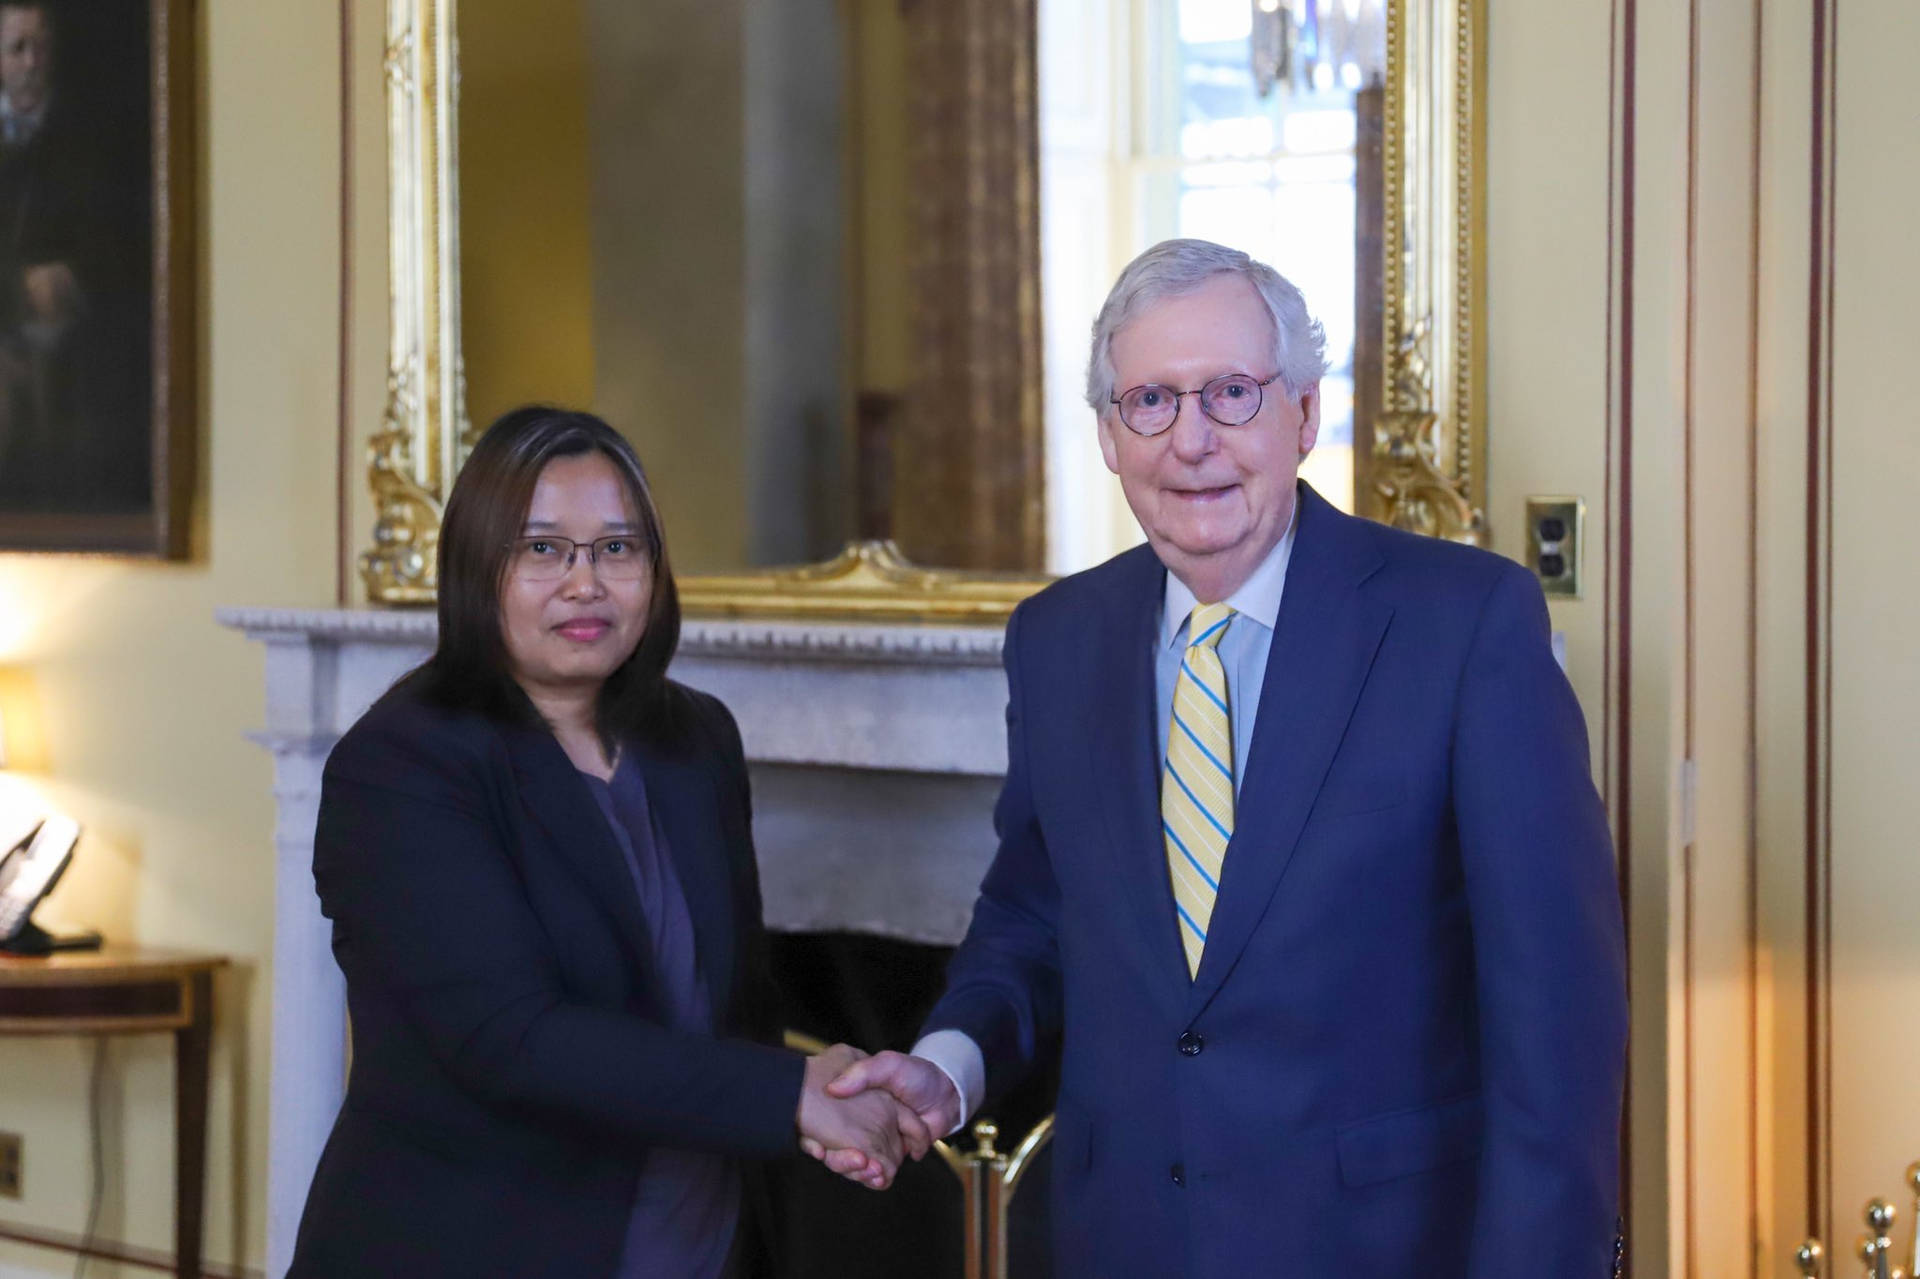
[98, 378]
[1422, 469]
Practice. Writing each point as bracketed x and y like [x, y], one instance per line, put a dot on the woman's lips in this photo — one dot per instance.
[584, 630]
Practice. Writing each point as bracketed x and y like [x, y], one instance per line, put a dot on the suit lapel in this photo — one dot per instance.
[565, 808]
[1126, 761]
[1324, 643]
[686, 809]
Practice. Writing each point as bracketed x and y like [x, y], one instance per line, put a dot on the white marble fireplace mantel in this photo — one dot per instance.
[876, 753]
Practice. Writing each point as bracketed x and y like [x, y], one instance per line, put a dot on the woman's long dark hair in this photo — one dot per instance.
[485, 513]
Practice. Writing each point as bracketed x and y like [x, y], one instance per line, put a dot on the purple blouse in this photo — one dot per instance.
[687, 1205]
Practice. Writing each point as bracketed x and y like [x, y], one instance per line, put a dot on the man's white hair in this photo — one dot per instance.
[1172, 268]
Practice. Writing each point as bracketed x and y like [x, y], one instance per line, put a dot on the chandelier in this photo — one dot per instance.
[1318, 46]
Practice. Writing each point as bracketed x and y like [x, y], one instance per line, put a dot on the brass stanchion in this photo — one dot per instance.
[973, 1196]
[1875, 1249]
[991, 1177]
[1913, 1184]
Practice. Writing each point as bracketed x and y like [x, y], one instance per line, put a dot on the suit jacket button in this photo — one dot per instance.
[1191, 1042]
[1179, 1174]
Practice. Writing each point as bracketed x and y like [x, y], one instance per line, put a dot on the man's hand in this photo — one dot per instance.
[924, 1093]
[859, 1137]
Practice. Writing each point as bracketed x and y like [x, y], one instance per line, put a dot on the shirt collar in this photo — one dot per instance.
[1258, 597]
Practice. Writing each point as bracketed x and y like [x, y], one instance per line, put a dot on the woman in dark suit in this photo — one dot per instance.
[535, 853]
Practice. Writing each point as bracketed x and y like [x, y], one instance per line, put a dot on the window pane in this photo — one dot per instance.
[1239, 216]
[1220, 112]
[1214, 21]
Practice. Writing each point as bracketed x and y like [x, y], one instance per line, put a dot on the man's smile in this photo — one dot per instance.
[1198, 494]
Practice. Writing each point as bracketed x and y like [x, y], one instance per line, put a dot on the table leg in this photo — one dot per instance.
[192, 1063]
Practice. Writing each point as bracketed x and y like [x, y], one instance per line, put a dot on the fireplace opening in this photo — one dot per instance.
[873, 992]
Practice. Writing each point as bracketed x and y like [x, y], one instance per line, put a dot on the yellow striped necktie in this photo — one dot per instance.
[1196, 792]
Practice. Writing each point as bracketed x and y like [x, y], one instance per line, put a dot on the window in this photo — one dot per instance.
[1153, 127]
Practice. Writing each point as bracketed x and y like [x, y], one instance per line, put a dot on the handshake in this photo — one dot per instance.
[861, 1115]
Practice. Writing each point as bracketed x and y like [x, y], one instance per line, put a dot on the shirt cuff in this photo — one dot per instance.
[959, 1059]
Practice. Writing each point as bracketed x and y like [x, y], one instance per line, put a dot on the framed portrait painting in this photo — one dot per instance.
[96, 277]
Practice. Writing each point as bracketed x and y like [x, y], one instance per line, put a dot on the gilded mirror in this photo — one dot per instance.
[832, 298]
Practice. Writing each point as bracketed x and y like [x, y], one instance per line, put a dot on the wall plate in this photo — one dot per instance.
[1555, 526]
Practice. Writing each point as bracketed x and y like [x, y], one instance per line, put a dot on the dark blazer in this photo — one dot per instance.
[1404, 1049]
[511, 1068]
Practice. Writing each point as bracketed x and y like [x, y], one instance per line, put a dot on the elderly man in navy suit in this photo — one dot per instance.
[1301, 869]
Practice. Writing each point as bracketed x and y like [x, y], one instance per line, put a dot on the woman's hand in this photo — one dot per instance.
[859, 1137]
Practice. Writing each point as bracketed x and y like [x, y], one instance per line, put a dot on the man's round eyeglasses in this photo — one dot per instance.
[619, 558]
[1232, 399]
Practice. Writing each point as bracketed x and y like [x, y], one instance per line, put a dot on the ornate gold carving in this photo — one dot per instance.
[425, 434]
[1428, 442]
[1409, 484]
[869, 582]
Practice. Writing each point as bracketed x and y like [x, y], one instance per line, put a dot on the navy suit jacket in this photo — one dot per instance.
[1403, 1052]
[511, 1065]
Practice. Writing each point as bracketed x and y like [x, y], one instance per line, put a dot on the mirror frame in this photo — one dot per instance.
[1426, 467]
[1423, 469]
[425, 432]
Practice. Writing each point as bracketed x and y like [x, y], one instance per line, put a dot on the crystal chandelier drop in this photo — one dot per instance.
[1318, 46]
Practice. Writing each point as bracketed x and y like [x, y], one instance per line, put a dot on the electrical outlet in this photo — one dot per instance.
[1554, 528]
[10, 1165]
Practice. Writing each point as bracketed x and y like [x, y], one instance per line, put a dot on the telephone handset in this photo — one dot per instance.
[28, 873]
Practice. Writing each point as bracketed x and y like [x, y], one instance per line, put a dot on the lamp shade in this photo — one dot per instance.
[22, 744]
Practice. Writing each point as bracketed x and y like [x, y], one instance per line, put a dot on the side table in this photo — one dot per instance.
[127, 990]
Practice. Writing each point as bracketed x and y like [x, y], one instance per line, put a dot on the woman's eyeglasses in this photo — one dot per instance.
[620, 558]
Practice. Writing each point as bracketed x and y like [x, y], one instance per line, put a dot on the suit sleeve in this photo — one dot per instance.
[1549, 951]
[1003, 983]
[430, 913]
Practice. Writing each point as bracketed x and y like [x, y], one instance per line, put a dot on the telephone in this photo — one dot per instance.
[28, 873]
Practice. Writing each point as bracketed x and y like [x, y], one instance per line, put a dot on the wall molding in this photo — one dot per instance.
[744, 639]
[111, 1250]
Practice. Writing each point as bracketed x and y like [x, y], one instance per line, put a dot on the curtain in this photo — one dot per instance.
[969, 454]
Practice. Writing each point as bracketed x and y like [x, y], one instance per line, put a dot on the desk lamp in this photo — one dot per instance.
[34, 852]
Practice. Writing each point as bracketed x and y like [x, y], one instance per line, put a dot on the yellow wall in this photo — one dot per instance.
[1866, 697]
[1546, 257]
[1678, 378]
[145, 701]
[602, 195]
[526, 243]
[880, 193]
[673, 279]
